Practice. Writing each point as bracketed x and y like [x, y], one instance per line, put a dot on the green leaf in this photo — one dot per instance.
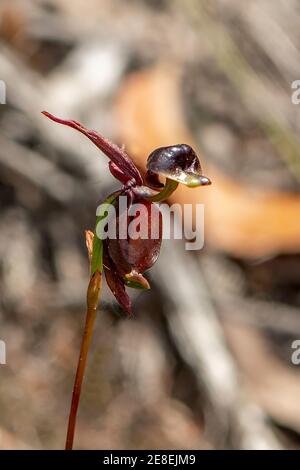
[167, 190]
[97, 256]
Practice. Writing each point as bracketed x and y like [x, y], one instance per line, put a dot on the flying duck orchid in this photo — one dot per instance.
[124, 259]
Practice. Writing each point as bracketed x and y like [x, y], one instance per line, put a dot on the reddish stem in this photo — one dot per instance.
[86, 341]
[93, 294]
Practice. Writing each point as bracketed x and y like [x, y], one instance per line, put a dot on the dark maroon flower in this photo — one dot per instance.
[125, 260]
[138, 254]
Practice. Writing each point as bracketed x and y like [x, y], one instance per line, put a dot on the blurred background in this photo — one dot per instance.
[206, 361]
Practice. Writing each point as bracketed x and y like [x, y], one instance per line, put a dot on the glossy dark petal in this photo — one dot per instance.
[179, 163]
[116, 284]
[112, 151]
[141, 253]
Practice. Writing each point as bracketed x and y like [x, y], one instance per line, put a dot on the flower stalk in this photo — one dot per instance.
[93, 296]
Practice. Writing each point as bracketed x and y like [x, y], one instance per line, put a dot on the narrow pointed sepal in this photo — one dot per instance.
[116, 285]
[117, 155]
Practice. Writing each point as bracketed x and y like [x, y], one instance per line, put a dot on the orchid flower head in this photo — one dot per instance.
[124, 260]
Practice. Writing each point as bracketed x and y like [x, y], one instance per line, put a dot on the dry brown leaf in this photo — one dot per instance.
[242, 220]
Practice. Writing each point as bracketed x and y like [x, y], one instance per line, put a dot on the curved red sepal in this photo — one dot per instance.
[112, 151]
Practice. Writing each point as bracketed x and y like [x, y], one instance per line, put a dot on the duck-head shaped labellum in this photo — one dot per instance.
[178, 163]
